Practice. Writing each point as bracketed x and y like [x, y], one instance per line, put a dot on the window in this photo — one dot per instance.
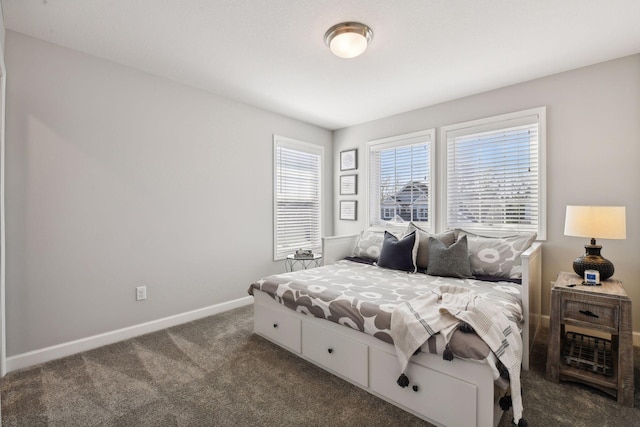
[297, 196]
[400, 177]
[494, 174]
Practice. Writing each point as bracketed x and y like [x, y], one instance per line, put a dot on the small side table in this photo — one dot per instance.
[572, 356]
[292, 261]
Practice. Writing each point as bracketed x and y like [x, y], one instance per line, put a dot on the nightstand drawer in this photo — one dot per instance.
[590, 314]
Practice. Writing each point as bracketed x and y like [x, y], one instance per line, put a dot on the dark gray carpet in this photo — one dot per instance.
[214, 371]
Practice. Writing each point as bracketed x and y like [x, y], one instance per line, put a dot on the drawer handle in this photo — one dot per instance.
[275, 325]
[588, 313]
[330, 350]
[415, 388]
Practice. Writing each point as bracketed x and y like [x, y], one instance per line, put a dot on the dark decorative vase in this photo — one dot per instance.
[592, 260]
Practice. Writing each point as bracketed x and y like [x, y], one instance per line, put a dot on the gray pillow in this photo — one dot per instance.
[369, 245]
[452, 261]
[399, 254]
[497, 256]
[422, 260]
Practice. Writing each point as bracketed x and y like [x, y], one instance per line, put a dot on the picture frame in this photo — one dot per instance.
[348, 185]
[349, 160]
[348, 210]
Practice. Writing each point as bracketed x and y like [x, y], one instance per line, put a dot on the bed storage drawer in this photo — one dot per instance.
[280, 327]
[429, 392]
[336, 352]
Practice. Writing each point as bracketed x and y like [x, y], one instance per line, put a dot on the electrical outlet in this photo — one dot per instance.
[141, 293]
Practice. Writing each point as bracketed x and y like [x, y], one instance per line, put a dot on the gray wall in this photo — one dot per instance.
[593, 150]
[117, 178]
[3, 365]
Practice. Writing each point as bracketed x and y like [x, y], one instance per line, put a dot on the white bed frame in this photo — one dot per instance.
[437, 386]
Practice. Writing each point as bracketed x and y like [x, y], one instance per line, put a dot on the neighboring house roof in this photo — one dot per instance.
[413, 192]
[389, 202]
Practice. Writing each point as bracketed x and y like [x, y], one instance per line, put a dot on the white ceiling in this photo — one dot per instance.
[271, 53]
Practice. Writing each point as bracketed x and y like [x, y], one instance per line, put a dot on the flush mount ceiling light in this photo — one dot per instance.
[348, 39]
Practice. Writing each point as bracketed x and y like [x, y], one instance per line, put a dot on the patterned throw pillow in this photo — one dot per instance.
[422, 260]
[497, 256]
[399, 254]
[452, 261]
[369, 245]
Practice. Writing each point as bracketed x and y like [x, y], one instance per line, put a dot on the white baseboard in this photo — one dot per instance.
[67, 349]
[636, 335]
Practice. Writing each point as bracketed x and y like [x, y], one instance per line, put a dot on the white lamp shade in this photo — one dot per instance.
[598, 222]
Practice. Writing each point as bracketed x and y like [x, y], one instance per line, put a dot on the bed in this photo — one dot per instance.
[358, 348]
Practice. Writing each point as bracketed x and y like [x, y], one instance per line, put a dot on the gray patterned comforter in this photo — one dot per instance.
[363, 296]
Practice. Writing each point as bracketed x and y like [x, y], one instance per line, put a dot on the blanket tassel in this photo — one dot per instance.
[447, 354]
[505, 402]
[403, 381]
[466, 328]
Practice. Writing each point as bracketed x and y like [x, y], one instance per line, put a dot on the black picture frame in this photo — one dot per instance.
[348, 210]
[348, 185]
[349, 160]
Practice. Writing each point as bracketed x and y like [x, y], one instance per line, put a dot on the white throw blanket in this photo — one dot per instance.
[413, 322]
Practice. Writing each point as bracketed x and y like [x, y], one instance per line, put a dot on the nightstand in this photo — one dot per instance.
[575, 355]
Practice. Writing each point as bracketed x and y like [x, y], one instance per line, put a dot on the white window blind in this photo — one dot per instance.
[400, 179]
[494, 175]
[297, 196]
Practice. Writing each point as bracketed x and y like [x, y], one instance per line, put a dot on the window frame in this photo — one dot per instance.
[293, 144]
[397, 141]
[489, 124]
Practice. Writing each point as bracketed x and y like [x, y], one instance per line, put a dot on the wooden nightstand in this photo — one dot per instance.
[577, 356]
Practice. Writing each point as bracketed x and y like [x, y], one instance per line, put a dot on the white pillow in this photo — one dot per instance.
[497, 256]
[369, 245]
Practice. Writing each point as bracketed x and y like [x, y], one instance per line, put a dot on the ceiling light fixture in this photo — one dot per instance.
[348, 39]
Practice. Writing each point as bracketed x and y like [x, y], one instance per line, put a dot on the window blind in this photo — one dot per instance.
[400, 180]
[493, 178]
[297, 204]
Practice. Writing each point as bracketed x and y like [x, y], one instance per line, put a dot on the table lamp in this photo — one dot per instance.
[602, 222]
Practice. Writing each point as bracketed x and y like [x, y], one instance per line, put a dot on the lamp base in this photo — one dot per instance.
[592, 260]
